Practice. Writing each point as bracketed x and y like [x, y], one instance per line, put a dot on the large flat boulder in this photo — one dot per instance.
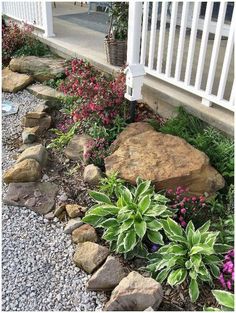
[39, 197]
[45, 92]
[14, 82]
[40, 68]
[135, 293]
[168, 161]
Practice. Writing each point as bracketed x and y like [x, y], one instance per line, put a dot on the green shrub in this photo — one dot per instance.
[111, 185]
[225, 299]
[131, 221]
[190, 256]
[32, 46]
[217, 147]
[225, 226]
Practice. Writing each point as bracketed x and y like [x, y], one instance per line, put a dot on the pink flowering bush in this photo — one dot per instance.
[227, 271]
[188, 207]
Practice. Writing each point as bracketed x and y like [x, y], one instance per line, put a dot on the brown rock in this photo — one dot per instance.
[45, 92]
[92, 174]
[78, 146]
[73, 210]
[39, 197]
[26, 171]
[84, 233]
[42, 108]
[29, 134]
[89, 256]
[168, 161]
[35, 114]
[44, 123]
[59, 210]
[40, 68]
[38, 153]
[108, 276]
[13, 82]
[135, 293]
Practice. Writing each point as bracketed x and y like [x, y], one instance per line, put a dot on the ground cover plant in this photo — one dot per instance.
[18, 40]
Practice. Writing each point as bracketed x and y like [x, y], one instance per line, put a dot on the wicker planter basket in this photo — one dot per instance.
[116, 51]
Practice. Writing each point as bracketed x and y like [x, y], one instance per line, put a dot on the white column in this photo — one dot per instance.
[47, 18]
[134, 32]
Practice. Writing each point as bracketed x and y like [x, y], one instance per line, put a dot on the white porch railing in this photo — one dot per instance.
[196, 56]
[37, 13]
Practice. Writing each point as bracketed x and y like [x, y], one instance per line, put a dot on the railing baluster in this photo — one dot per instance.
[182, 34]
[227, 59]
[216, 47]
[161, 36]
[153, 35]
[233, 93]
[144, 32]
[192, 42]
[171, 39]
[203, 47]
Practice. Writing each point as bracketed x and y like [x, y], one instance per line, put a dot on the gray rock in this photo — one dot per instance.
[135, 293]
[42, 108]
[29, 134]
[22, 194]
[108, 276]
[92, 174]
[89, 256]
[46, 93]
[38, 153]
[72, 225]
[43, 123]
[49, 216]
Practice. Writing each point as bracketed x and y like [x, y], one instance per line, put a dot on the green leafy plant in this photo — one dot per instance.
[225, 299]
[111, 185]
[225, 226]
[130, 221]
[189, 257]
[63, 138]
[32, 46]
[119, 20]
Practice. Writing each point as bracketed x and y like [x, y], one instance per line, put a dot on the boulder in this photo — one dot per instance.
[168, 161]
[14, 82]
[35, 114]
[73, 210]
[78, 147]
[29, 134]
[39, 197]
[92, 174]
[89, 256]
[135, 293]
[72, 225]
[38, 153]
[40, 68]
[84, 233]
[27, 145]
[43, 123]
[45, 92]
[108, 276]
[42, 108]
[26, 171]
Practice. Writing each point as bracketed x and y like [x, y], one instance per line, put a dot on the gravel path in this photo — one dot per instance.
[38, 273]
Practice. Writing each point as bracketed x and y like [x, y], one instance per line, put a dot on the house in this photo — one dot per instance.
[186, 49]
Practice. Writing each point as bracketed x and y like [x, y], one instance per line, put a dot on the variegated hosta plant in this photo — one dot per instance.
[190, 256]
[131, 220]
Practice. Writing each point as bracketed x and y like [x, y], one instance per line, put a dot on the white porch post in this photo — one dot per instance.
[134, 32]
[47, 18]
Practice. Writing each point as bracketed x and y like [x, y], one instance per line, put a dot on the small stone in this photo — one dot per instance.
[78, 147]
[135, 293]
[59, 209]
[92, 174]
[30, 202]
[72, 225]
[84, 233]
[38, 153]
[149, 309]
[29, 134]
[44, 123]
[73, 210]
[28, 170]
[42, 108]
[14, 82]
[89, 256]
[49, 216]
[108, 276]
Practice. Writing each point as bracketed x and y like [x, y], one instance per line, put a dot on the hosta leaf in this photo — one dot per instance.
[104, 210]
[177, 250]
[205, 227]
[154, 225]
[161, 199]
[140, 251]
[155, 237]
[99, 197]
[111, 233]
[193, 290]
[120, 238]
[175, 228]
[193, 274]
[188, 264]
[92, 219]
[157, 210]
[130, 241]
[145, 203]
[176, 277]
[196, 260]
[189, 227]
[126, 225]
[208, 259]
[127, 195]
[162, 275]
[214, 270]
[108, 222]
[141, 188]
[202, 249]
[140, 228]
[222, 248]
[224, 298]
[196, 238]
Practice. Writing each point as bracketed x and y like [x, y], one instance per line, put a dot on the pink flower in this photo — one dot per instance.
[183, 224]
[183, 211]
